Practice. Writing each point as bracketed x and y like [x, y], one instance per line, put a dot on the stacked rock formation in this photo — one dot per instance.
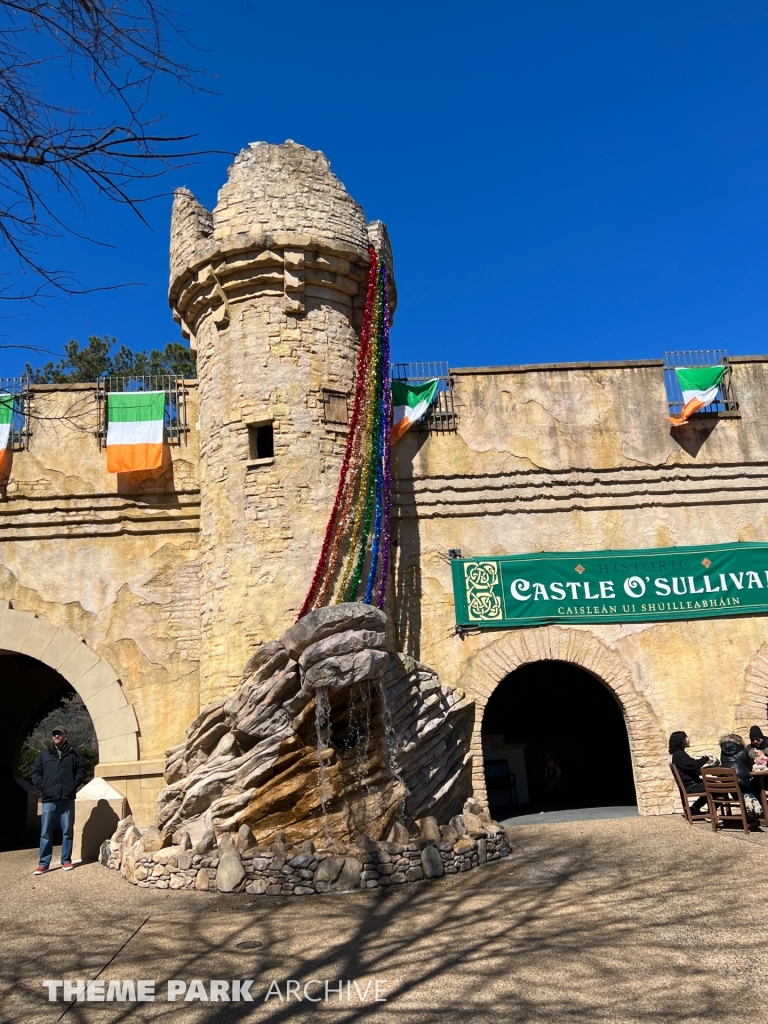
[327, 769]
[239, 864]
[330, 736]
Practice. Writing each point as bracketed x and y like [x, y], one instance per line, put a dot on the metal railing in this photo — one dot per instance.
[441, 417]
[175, 426]
[22, 408]
[725, 404]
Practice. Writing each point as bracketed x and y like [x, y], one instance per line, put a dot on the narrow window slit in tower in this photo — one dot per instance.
[261, 442]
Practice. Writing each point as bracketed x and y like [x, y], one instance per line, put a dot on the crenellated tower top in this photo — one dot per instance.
[281, 212]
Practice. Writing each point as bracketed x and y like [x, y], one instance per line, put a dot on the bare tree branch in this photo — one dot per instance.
[32, 348]
[53, 154]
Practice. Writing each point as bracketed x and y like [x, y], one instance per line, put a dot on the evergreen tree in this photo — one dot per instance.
[97, 359]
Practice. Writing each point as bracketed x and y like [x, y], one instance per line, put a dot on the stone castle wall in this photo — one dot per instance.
[163, 584]
[544, 459]
[86, 555]
[580, 458]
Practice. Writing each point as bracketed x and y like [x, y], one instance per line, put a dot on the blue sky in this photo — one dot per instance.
[562, 180]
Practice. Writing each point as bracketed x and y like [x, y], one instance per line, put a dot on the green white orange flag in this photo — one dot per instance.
[6, 451]
[409, 403]
[135, 430]
[6, 419]
[699, 385]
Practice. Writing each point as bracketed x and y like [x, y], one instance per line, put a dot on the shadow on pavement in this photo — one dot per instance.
[627, 920]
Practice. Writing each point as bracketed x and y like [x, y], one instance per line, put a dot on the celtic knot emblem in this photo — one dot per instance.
[482, 589]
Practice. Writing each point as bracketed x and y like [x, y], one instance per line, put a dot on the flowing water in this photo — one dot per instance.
[358, 737]
[357, 740]
[359, 726]
[323, 728]
[390, 740]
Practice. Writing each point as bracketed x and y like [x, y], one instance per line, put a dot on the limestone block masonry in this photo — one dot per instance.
[270, 289]
[99, 581]
[582, 457]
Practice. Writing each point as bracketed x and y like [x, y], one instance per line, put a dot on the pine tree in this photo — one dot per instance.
[97, 359]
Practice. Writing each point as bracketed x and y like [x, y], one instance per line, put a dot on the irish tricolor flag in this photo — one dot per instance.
[699, 385]
[135, 430]
[6, 422]
[409, 403]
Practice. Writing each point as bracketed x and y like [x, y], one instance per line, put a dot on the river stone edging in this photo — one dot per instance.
[282, 870]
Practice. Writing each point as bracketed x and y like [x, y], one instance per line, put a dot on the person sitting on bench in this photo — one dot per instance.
[758, 745]
[733, 754]
[689, 767]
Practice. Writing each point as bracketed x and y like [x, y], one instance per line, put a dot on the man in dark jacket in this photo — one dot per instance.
[757, 742]
[58, 771]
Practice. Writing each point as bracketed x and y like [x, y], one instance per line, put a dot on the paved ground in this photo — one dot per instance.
[573, 814]
[628, 920]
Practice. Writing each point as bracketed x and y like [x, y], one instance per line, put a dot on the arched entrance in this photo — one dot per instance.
[503, 652]
[35, 697]
[554, 738]
[37, 660]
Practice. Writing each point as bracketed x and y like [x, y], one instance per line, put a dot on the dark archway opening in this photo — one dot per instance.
[554, 738]
[33, 695]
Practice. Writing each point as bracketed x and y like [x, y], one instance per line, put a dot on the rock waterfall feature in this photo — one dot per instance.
[329, 768]
[330, 735]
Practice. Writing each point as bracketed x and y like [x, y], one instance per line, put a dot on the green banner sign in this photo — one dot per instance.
[611, 586]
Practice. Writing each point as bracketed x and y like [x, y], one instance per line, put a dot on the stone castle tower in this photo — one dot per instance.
[270, 290]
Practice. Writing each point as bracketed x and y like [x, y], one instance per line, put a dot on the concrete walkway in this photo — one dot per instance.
[624, 921]
[573, 814]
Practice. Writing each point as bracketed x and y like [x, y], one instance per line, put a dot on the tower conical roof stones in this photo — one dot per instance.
[281, 211]
[288, 193]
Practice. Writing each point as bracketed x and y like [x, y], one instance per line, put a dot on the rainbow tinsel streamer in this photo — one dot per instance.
[358, 530]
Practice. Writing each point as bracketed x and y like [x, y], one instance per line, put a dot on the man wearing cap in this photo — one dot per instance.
[58, 771]
[758, 745]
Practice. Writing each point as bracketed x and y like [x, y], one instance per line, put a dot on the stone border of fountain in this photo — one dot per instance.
[237, 864]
